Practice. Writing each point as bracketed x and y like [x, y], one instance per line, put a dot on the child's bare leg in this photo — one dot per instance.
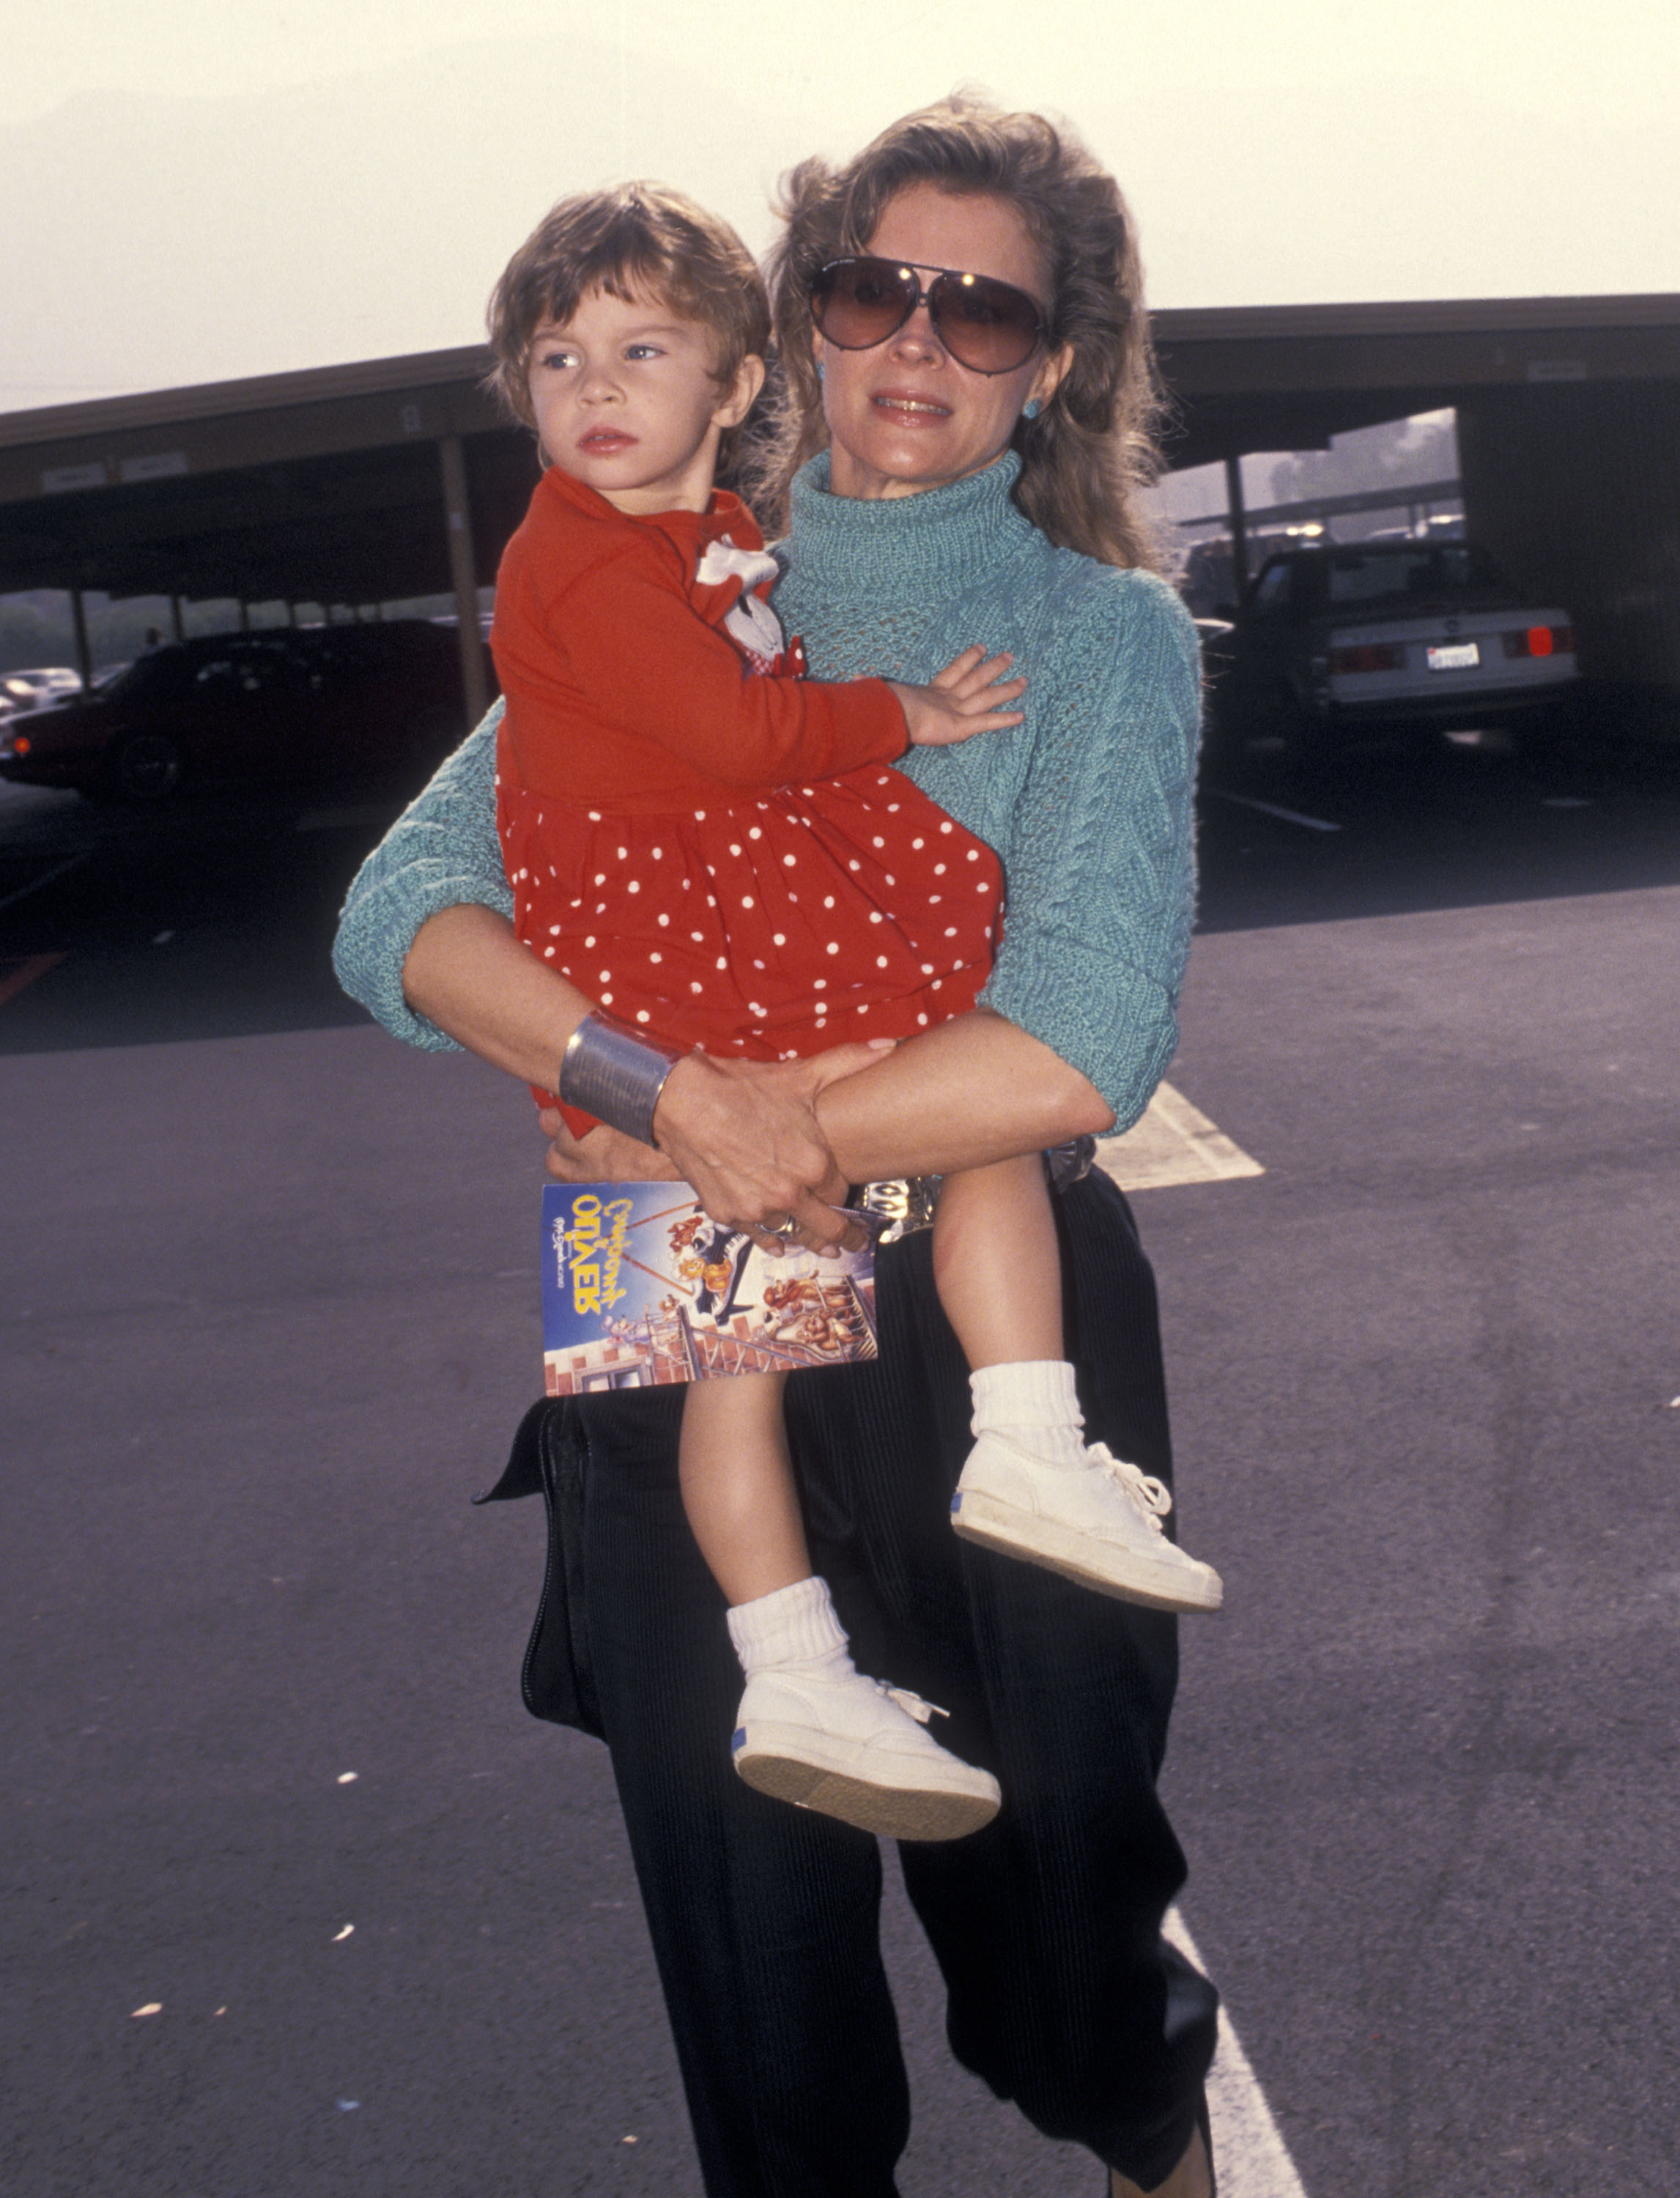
[1030, 1487]
[737, 1483]
[810, 1728]
[998, 1270]
[996, 1263]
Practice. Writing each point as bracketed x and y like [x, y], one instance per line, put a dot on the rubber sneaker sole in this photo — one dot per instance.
[791, 1764]
[1108, 1567]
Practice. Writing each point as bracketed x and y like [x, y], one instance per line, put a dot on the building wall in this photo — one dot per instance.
[1576, 489]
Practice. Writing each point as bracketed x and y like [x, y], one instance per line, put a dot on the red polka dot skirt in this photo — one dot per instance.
[769, 928]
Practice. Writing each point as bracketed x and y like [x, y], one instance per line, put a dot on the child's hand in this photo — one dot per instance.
[962, 701]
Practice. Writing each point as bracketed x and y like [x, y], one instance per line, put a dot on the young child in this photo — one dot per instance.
[715, 848]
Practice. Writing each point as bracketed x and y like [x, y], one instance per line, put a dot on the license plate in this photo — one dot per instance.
[1453, 656]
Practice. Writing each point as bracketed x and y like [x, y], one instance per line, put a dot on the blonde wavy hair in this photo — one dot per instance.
[1092, 448]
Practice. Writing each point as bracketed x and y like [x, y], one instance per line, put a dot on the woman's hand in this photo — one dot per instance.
[968, 697]
[744, 1133]
[601, 1155]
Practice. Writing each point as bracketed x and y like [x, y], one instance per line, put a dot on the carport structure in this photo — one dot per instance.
[391, 478]
[1568, 434]
[346, 485]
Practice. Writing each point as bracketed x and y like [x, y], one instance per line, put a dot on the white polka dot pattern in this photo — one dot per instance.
[738, 974]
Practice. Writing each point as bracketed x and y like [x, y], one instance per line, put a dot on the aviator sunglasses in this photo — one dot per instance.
[987, 326]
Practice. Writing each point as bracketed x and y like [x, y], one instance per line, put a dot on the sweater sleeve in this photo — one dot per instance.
[442, 850]
[647, 665]
[1100, 853]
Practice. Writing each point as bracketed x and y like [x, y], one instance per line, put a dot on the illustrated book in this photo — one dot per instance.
[641, 1287]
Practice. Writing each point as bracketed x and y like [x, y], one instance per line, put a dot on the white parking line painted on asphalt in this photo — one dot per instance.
[1271, 809]
[1252, 2160]
[1173, 1144]
[46, 878]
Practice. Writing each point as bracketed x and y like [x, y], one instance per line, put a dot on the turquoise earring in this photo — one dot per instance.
[1032, 408]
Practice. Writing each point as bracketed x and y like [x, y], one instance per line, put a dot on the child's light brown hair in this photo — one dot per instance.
[635, 238]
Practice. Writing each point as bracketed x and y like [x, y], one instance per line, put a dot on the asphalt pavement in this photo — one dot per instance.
[298, 1901]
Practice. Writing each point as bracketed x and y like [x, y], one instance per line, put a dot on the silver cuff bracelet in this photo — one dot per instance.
[616, 1074]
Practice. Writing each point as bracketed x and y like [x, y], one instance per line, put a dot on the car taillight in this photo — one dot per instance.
[21, 744]
[1541, 640]
[1369, 656]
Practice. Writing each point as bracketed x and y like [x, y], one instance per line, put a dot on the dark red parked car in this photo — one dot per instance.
[326, 702]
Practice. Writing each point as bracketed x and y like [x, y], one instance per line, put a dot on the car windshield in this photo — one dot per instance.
[1402, 569]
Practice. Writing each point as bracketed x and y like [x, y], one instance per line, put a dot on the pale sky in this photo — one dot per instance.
[198, 191]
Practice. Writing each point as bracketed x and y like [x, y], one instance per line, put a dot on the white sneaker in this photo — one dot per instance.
[1100, 1525]
[854, 1747]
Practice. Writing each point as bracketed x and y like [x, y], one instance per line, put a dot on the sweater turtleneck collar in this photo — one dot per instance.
[904, 548]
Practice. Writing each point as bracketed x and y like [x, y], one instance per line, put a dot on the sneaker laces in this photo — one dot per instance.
[1153, 1498]
[912, 1703]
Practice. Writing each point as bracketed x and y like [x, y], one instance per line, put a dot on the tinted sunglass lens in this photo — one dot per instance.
[990, 327]
[860, 303]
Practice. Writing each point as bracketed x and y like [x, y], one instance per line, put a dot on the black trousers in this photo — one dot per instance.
[1046, 1925]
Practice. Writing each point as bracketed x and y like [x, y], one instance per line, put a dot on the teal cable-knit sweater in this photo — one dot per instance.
[1088, 803]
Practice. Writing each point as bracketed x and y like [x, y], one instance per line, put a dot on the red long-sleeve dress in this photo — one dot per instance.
[700, 839]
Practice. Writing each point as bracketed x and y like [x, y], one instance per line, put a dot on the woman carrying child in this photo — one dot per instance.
[629, 331]
[966, 494]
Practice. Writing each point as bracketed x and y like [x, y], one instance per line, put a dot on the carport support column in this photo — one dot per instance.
[459, 518]
[1239, 519]
[78, 620]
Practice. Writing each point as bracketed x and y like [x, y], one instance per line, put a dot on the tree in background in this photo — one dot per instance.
[1400, 454]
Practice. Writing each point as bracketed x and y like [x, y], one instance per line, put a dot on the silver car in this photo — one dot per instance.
[1343, 636]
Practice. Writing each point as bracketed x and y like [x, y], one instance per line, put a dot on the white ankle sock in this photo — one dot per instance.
[795, 1624]
[1034, 1403]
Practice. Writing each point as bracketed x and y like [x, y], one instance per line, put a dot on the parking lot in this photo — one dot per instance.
[301, 1902]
